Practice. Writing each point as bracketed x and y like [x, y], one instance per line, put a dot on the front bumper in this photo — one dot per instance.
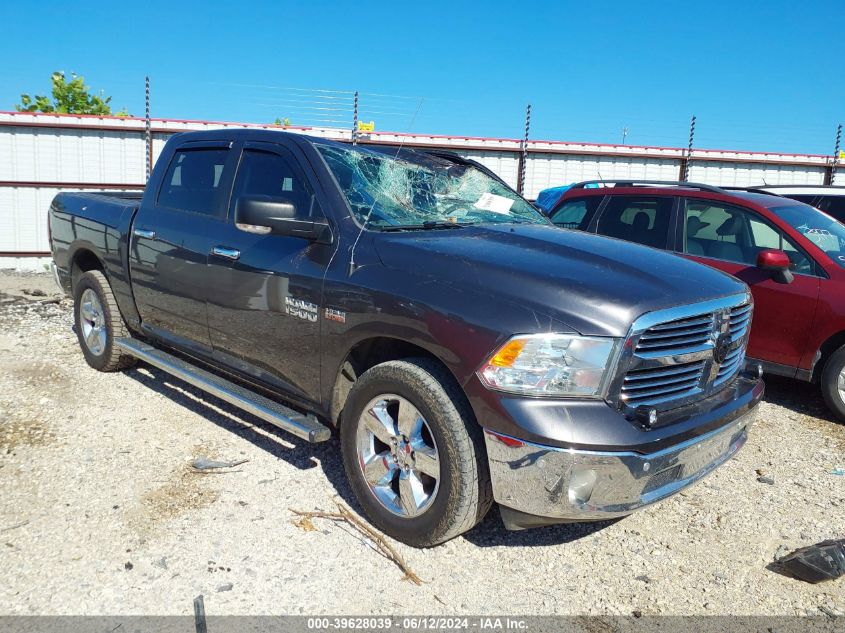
[580, 485]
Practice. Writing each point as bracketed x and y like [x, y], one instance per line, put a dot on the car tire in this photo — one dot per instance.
[98, 322]
[418, 401]
[833, 375]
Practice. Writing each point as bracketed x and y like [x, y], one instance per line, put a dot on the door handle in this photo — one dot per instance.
[149, 235]
[228, 253]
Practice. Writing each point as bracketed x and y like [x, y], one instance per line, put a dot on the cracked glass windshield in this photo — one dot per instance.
[415, 190]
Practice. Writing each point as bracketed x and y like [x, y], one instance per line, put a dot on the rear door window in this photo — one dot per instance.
[192, 181]
[576, 214]
[641, 219]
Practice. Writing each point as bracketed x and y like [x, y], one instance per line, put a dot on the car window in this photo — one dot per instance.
[576, 214]
[637, 219]
[833, 206]
[736, 235]
[192, 179]
[269, 174]
[802, 197]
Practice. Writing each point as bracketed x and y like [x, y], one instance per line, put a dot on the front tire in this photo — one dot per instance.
[414, 454]
[98, 322]
[833, 383]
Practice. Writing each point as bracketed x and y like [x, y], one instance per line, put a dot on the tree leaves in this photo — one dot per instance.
[69, 97]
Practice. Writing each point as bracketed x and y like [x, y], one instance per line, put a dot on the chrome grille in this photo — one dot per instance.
[676, 336]
[732, 362]
[670, 356]
[651, 386]
[740, 321]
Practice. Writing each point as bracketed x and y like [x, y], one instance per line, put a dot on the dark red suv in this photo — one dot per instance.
[790, 254]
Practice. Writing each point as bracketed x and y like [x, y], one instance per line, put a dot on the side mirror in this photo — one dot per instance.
[777, 262]
[268, 215]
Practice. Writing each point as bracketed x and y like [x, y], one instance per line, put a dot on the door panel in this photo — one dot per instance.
[168, 271]
[169, 245]
[783, 313]
[729, 238]
[264, 310]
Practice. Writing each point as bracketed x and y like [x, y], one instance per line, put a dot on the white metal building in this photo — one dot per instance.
[41, 154]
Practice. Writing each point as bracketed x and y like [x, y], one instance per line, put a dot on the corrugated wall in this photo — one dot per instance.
[43, 154]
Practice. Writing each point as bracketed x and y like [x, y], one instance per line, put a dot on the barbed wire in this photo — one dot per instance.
[333, 106]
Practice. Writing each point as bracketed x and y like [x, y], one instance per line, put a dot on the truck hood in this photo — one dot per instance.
[595, 285]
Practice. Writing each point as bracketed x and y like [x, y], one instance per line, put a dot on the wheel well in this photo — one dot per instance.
[825, 352]
[83, 261]
[367, 354]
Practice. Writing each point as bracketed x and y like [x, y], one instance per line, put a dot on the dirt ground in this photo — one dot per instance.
[100, 512]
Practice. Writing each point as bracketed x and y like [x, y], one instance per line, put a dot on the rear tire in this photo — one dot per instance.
[833, 383]
[427, 469]
[98, 322]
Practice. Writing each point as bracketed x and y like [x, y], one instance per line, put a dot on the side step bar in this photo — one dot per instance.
[304, 426]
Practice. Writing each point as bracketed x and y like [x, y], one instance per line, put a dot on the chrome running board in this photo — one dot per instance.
[304, 426]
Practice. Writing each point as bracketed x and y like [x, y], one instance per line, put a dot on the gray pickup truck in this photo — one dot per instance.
[465, 350]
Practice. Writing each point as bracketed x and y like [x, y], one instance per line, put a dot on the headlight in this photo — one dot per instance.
[550, 365]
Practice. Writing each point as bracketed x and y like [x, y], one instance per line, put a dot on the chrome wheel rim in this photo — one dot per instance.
[92, 322]
[840, 384]
[398, 456]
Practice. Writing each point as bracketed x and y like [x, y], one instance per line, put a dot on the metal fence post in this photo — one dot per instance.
[689, 149]
[355, 120]
[523, 157]
[835, 154]
[148, 135]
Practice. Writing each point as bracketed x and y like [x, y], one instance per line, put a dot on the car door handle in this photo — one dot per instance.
[228, 253]
[148, 235]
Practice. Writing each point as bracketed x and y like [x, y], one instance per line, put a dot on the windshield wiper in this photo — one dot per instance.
[426, 226]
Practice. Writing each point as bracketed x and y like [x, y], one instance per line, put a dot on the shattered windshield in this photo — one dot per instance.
[818, 227]
[411, 189]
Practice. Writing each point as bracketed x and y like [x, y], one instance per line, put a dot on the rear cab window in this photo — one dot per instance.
[576, 213]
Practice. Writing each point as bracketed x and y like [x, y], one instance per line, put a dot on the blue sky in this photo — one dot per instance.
[758, 75]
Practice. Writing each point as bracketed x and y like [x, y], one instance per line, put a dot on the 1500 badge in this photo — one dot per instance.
[302, 309]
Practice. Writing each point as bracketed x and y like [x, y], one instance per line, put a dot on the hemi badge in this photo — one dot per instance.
[335, 315]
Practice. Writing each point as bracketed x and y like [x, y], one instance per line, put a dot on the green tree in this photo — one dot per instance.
[285, 121]
[69, 97]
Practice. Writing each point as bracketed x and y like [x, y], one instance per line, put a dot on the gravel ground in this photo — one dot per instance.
[100, 513]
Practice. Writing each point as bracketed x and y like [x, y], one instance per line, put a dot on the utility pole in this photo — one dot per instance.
[148, 133]
[624, 134]
[835, 154]
[689, 149]
[523, 157]
[355, 120]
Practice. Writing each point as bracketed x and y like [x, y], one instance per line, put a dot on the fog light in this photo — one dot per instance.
[646, 416]
[581, 484]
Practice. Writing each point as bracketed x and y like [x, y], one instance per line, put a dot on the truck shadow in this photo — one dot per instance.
[491, 532]
[326, 455]
[291, 449]
[798, 396]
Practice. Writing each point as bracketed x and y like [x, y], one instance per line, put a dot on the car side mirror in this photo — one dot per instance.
[778, 263]
[268, 215]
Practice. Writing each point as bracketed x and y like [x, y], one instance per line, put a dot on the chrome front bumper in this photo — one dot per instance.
[575, 485]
